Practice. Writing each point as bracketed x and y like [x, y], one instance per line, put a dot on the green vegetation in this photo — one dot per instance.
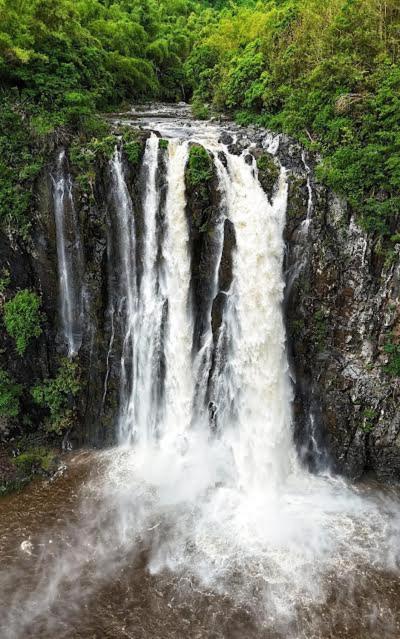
[199, 169]
[369, 416]
[35, 459]
[9, 395]
[133, 148]
[393, 350]
[20, 162]
[268, 173]
[22, 318]
[84, 154]
[57, 396]
[163, 144]
[200, 110]
[72, 57]
[325, 71]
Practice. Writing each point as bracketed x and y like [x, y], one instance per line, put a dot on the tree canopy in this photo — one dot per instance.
[324, 71]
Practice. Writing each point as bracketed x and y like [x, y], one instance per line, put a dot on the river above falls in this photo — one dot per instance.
[202, 523]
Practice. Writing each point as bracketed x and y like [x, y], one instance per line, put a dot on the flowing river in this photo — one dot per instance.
[182, 531]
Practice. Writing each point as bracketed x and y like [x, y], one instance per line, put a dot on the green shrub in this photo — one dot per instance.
[56, 395]
[9, 395]
[20, 163]
[200, 110]
[163, 144]
[133, 151]
[22, 318]
[35, 459]
[369, 417]
[393, 366]
[133, 147]
[199, 169]
[268, 173]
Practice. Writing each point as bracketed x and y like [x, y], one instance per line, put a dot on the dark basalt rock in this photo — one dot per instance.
[235, 149]
[203, 211]
[217, 312]
[225, 275]
[225, 138]
[222, 158]
[340, 306]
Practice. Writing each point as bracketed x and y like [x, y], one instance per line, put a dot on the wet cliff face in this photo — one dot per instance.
[342, 309]
[35, 265]
[341, 300]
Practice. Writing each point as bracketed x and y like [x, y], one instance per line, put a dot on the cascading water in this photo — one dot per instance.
[263, 448]
[125, 249]
[159, 290]
[144, 312]
[69, 256]
[221, 514]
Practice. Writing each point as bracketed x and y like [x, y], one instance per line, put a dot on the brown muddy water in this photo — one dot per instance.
[61, 576]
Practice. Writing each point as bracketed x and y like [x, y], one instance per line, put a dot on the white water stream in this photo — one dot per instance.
[69, 257]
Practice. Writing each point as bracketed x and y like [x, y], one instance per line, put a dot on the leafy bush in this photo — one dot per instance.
[133, 151]
[199, 169]
[268, 173]
[35, 459]
[393, 350]
[133, 147]
[20, 163]
[22, 318]
[9, 395]
[200, 110]
[56, 395]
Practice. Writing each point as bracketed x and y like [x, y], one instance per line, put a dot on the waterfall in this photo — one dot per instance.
[145, 317]
[205, 486]
[179, 379]
[250, 391]
[69, 257]
[156, 323]
[125, 297]
[262, 443]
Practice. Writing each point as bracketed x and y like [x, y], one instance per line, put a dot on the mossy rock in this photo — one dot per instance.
[199, 170]
[36, 460]
[268, 174]
[297, 198]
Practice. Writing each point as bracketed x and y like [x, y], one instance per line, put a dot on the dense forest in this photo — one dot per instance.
[325, 71]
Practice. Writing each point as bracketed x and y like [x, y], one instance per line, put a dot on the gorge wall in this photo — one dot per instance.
[341, 300]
